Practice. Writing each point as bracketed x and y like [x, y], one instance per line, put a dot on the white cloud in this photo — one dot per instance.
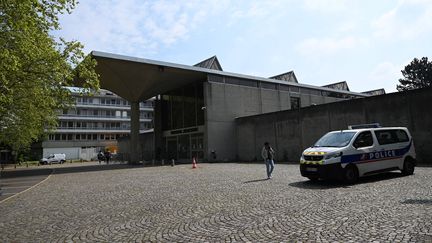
[135, 27]
[329, 46]
[407, 20]
[385, 75]
[327, 5]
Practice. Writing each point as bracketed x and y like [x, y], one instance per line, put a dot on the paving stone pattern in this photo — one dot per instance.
[219, 203]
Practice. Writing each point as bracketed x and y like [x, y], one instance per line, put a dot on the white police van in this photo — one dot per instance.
[361, 150]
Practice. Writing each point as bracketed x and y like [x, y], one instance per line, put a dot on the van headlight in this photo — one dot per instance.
[334, 155]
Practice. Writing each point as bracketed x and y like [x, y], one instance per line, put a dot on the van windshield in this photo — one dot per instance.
[335, 139]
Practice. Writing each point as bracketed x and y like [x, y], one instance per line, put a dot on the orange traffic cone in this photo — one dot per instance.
[194, 163]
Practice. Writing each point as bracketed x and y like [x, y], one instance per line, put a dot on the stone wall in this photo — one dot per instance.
[291, 131]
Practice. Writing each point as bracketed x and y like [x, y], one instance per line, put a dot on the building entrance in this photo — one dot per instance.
[185, 146]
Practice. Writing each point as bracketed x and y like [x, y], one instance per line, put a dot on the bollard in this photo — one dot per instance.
[172, 162]
[163, 162]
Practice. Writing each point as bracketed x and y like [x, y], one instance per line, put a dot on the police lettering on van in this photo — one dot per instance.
[349, 154]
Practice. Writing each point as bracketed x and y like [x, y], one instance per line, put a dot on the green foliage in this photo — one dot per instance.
[35, 68]
[417, 74]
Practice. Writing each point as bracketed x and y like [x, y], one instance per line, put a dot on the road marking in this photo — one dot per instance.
[16, 194]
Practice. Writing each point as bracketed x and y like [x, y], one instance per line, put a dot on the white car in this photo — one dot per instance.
[350, 154]
[53, 158]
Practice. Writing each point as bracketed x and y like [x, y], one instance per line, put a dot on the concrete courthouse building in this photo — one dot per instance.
[196, 106]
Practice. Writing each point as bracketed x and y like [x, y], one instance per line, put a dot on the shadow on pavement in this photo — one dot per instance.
[27, 172]
[329, 184]
[64, 170]
[252, 181]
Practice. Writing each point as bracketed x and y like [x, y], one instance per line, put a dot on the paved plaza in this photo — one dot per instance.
[217, 203]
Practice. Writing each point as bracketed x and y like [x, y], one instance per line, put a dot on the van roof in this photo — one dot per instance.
[370, 129]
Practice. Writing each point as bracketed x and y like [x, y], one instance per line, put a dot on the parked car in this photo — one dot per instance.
[350, 154]
[53, 158]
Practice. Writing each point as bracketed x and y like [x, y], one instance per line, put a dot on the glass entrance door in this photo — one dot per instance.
[171, 147]
[185, 146]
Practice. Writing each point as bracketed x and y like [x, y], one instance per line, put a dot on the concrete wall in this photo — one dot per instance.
[146, 147]
[225, 102]
[291, 131]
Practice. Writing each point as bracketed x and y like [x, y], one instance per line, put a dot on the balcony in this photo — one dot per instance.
[98, 118]
[112, 106]
[94, 130]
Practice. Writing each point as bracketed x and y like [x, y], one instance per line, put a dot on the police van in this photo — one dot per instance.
[359, 151]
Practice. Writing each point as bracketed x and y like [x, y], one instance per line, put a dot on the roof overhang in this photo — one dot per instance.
[137, 79]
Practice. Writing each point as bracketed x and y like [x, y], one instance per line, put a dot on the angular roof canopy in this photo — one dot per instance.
[210, 63]
[375, 92]
[288, 76]
[339, 86]
[137, 79]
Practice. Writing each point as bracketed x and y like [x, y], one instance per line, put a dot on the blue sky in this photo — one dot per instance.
[364, 42]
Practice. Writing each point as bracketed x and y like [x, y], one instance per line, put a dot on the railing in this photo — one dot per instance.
[100, 116]
[116, 105]
[93, 128]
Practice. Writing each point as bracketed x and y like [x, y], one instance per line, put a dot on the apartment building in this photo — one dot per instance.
[93, 124]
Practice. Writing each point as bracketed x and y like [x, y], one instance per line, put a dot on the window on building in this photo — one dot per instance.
[294, 89]
[266, 85]
[284, 87]
[295, 103]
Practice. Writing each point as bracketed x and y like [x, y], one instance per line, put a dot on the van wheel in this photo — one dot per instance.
[351, 174]
[408, 167]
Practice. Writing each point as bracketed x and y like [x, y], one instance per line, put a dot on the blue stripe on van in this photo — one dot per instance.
[375, 156]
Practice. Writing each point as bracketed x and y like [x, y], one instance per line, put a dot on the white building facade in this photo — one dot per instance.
[94, 124]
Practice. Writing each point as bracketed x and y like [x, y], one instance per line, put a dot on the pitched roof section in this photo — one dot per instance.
[375, 92]
[288, 77]
[211, 63]
[339, 86]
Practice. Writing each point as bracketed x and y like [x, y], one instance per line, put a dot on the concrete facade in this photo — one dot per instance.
[95, 122]
[291, 131]
[226, 102]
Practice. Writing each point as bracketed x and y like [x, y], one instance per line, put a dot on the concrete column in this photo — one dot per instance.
[135, 124]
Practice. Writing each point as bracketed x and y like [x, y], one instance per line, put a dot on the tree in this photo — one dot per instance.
[417, 74]
[35, 67]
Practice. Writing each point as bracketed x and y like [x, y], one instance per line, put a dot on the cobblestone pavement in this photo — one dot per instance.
[218, 202]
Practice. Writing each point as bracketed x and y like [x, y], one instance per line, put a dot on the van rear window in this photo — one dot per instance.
[391, 136]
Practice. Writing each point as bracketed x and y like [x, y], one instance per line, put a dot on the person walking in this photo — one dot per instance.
[107, 156]
[100, 157]
[267, 154]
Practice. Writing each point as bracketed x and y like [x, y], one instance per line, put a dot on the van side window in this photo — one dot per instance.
[364, 139]
[391, 136]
